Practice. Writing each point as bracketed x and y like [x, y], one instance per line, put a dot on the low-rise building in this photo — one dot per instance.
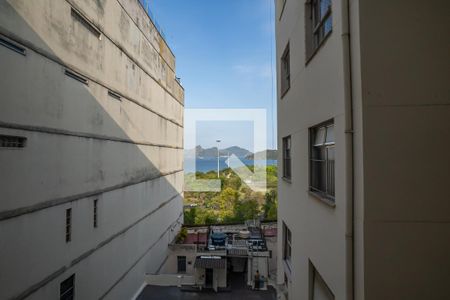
[214, 256]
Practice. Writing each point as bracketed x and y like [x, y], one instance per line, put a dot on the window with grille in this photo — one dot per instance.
[285, 71]
[67, 288]
[95, 213]
[287, 243]
[322, 152]
[9, 141]
[318, 24]
[287, 157]
[181, 261]
[68, 225]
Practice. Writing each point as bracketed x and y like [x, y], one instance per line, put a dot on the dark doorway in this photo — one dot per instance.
[208, 277]
[181, 262]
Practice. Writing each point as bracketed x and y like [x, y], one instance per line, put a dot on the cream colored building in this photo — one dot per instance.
[364, 133]
[241, 251]
[91, 159]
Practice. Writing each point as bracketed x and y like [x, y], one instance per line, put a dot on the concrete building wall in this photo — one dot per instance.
[171, 264]
[85, 145]
[272, 245]
[405, 71]
[400, 111]
[316, 95]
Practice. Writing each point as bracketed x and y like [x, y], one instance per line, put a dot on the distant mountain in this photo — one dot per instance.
[238, 151]
[270, 155]
[201, 152]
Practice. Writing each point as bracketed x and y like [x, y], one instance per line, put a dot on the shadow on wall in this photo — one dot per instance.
[85, 142]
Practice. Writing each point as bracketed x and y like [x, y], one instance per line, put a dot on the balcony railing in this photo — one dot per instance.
[146, 5]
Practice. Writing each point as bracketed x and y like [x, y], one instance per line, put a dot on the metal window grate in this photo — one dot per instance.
[95, 213]
[287, 243]
[287, 157]
[181, 264]
[12, 46]
[285, 71]
[76, 76]
[68, 225]
[9, 141]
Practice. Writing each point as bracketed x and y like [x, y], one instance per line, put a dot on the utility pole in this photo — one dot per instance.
[218, 155]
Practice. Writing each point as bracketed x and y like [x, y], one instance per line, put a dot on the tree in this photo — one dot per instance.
[245, 210]
[205, 216]
[189, 216]
[271, 205]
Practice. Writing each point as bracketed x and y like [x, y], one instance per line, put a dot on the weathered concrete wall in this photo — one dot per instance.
[171, 264]
[170, 279]
[83, 144]
[405, 71]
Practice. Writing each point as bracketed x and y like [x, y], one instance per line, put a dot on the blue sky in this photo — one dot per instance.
[225, 58]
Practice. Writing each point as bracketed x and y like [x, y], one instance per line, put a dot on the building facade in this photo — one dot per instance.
[363, 107]
[221, 257]
[91, 149]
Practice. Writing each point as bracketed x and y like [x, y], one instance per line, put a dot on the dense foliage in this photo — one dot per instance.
[235, 203]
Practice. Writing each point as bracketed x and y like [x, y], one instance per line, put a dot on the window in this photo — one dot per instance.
[285, 72]
[287, 243]
[318, 289]
[12, 46]
[181, 260]
[287, 157]
[318, 24]
[95, 213]
[86, 23]
[9, 141]
[321, 173]
[68, 225]
[76, 76]
[67, 288]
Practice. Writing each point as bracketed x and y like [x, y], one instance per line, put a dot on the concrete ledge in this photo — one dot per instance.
[170, 279]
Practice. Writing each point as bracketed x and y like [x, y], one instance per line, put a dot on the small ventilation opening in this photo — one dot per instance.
[8, 141]
[80, 18]
[114, 95]
[76, 76]
[12, 46]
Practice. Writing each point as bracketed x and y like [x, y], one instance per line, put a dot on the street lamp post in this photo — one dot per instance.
[218, 155]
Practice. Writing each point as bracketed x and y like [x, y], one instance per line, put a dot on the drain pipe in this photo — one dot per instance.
[349, 188]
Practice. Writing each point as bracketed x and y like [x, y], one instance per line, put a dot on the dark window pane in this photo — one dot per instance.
[181, 260]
